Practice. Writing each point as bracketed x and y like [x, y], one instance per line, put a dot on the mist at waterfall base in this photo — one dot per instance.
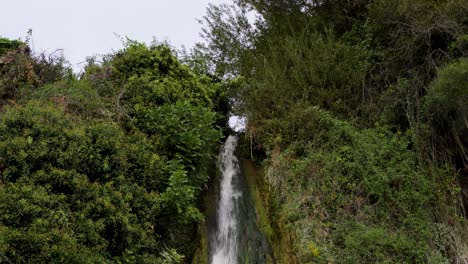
[236, 237]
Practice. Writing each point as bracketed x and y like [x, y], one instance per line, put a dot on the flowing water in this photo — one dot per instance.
[236, 238]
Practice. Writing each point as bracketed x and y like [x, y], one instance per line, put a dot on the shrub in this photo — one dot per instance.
[446, 112]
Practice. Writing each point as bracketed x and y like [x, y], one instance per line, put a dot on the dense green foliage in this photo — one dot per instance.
[359, 195]
[110, 166]
[357, 111]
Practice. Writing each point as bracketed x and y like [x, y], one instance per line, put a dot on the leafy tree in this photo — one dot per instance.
[108, 167]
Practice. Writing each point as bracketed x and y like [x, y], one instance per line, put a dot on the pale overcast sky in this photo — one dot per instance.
[86, 27]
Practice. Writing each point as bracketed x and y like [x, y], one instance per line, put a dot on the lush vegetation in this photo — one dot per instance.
[357, 111]
[108, 166]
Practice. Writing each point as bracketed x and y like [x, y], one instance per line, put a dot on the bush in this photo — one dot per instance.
[446, 111]
[78, 195]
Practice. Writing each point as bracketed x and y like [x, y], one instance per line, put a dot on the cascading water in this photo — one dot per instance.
[225, 246]
[236, 237]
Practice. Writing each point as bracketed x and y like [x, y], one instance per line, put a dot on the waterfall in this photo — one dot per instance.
[225, 246]
[236, 238]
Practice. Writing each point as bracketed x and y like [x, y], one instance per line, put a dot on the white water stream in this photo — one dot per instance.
[225, 248]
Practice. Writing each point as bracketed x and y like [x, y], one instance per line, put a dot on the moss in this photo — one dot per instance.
[255, 184]
[276, 232]
[201, 253]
